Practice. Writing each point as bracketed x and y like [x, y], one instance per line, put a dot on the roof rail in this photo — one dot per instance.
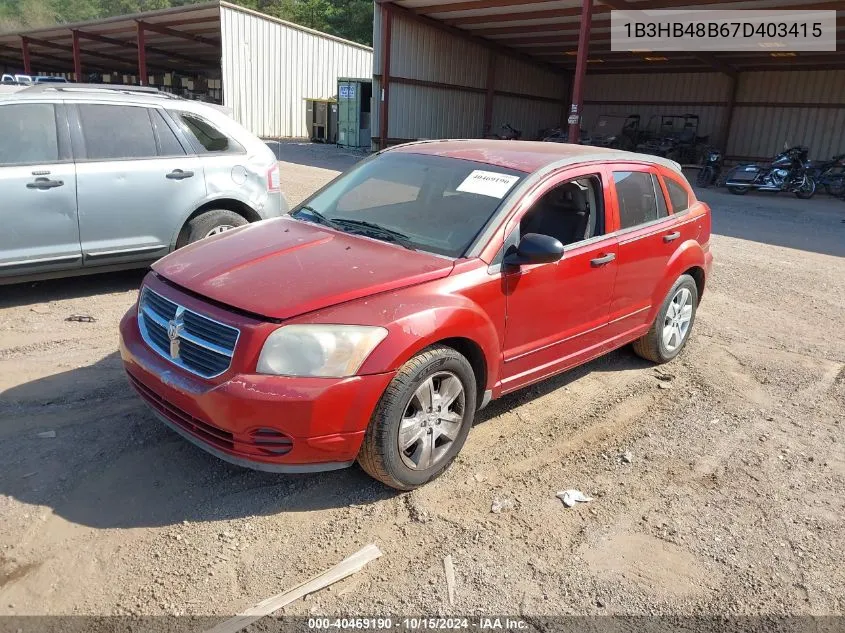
[74, 87]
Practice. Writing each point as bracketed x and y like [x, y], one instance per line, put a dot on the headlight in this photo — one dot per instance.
[329, 351]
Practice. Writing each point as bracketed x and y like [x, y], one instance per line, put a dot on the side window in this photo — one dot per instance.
[206, 138]
[28, 134]
[678, 195]
[114, 132]
[168, 144]
[571, 212]
[638, 199]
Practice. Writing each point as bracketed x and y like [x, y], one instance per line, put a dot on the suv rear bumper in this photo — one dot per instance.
[269, 423]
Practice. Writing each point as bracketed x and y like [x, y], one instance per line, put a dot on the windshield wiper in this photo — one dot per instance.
[313, 213]
[376, 231]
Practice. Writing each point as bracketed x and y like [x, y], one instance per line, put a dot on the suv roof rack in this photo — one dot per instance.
[73, 87]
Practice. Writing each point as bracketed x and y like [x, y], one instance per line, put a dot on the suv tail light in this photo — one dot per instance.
[274, 180]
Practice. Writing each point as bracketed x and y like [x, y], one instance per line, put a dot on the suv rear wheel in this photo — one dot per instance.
[673, 324]
[421, 421]
[211, 223]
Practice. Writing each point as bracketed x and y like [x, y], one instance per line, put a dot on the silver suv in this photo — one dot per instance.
[95, 178]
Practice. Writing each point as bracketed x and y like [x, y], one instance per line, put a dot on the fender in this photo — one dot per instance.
[416, 318]
[688, 255]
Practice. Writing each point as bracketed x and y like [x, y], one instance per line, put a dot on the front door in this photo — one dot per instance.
[557, 313]
[39, 232]
[136, 183]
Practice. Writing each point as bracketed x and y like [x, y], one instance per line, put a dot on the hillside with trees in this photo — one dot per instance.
[350, 19]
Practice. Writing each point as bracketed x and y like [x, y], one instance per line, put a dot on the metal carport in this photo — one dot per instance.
[519, 61]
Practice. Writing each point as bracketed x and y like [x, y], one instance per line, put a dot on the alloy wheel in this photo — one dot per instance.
[677, 322]
[432, 421]
[217, 230]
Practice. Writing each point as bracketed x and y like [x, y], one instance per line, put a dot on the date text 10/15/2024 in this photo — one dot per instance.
[492, 623]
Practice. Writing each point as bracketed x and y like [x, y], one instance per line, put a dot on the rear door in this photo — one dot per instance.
[136, 182]
[648, 237]
[39, 232]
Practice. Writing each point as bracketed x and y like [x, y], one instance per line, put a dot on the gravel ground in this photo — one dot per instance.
[728, 499]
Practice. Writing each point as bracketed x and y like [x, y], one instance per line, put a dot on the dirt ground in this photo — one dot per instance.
[730, 499]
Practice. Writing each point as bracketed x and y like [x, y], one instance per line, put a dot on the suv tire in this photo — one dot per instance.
[209, 222]
[399, 410]
[653, 345]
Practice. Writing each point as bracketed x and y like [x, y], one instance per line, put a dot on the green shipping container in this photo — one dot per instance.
[354, 103]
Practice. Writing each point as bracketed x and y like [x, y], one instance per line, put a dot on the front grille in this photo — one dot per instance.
[192, 341]
[205, 431]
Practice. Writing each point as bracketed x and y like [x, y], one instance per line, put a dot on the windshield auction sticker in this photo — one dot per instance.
[488, 183]
[766, 30]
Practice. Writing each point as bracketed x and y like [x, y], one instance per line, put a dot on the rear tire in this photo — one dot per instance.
[659, 345]
[210, 223]
[400, 406]
[736, 190]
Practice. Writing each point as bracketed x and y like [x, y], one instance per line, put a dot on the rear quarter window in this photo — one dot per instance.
[205, 137]
[678, 195]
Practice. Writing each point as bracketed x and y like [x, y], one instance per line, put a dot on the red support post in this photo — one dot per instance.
[386, 26]
[580, 71]
[490, 95]
[142, 56]
[77, 58]
[27, 63]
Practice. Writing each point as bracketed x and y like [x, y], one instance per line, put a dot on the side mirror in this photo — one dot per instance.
[535, 248]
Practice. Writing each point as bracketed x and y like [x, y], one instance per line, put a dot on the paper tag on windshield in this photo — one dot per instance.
[488, 183]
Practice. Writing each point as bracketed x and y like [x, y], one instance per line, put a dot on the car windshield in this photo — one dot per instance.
[428, 203]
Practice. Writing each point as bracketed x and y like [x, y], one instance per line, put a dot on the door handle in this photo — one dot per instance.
[601, 261]
[44, 183]
[671, 237]
[178, 174]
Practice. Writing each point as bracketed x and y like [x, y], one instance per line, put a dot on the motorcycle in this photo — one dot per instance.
[787, 172]
[509, 133]
[709, 172]
[829, 174]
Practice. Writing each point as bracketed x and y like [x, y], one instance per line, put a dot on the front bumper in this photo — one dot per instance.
[270, 423]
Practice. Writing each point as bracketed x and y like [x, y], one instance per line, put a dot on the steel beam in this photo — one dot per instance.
[580, 70]
[386, 27]
[27, 64]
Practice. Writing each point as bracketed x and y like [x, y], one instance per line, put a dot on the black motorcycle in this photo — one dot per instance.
[709, 172]
[829, 174]
[787, 172]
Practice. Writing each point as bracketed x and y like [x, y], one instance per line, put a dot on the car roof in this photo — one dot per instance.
[528, 156]
[105, 93]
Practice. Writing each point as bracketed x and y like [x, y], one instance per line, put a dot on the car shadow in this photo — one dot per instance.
[81, 443]
[816, 225]
[320, 155]
[35, 292]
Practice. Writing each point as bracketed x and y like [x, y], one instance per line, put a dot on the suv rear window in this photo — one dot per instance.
[28, 134]
[114, 132]
[204, 136]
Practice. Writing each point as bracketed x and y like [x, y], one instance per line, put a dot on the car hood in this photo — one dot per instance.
[284, 267]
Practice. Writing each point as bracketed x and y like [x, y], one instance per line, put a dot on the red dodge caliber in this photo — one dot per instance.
[374, 321]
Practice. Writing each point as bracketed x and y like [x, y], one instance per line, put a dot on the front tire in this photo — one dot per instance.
[705, 177]
[807, 190]
[421, 421]
[671, 328]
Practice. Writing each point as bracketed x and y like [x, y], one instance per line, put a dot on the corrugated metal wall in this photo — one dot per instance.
[769, 108]
[270, 67]
[420, 53]
[758, 130]
[642, 94]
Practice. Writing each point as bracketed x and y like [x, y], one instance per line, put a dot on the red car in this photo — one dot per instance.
[392, 305]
